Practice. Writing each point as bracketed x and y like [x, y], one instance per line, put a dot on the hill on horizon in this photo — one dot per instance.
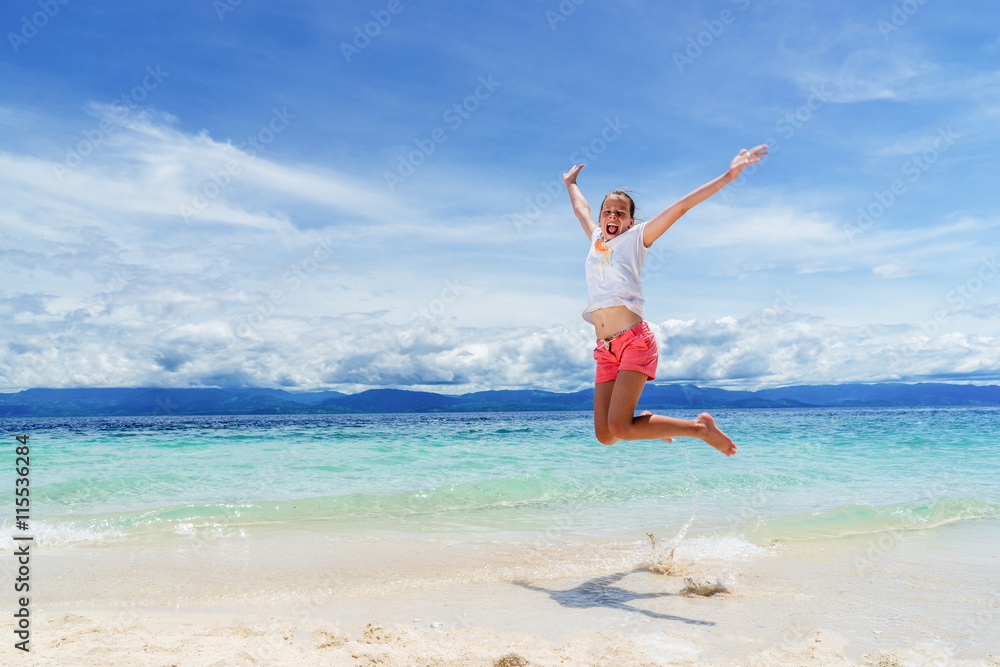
[140, 401]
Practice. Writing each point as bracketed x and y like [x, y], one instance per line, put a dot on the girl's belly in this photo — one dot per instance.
[611, 320]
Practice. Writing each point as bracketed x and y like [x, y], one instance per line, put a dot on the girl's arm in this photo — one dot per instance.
[661, 223]
[580, 206]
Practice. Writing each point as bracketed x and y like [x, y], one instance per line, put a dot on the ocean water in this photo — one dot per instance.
[800, 475]
[878, 527]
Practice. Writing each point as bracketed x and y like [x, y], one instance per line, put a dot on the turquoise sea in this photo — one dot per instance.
[799, 475]
[875, 527]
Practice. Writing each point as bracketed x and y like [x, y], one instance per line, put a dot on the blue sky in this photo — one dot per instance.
[342, 196]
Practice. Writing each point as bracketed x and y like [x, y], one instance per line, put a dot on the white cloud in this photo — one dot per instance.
[853, 65]
[363, 351]
[775, 226]
[894, 270]
[106, 284]
[142, 165]
[819, 267]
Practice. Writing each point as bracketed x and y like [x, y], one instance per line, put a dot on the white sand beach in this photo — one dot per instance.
[929, 598]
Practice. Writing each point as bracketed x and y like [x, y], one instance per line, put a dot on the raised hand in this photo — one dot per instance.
[569, 178]
[746, 157]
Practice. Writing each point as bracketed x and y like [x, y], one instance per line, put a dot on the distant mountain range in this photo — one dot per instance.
[149, 401]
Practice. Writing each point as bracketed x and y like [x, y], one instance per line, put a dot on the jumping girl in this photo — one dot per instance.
[626, 349]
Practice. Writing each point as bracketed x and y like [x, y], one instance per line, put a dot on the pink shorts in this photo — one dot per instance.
[633, 350]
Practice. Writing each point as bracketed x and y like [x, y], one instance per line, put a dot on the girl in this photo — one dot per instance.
[626, 350]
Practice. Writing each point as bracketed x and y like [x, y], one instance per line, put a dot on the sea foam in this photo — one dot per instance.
[867, 519]
[55, 534]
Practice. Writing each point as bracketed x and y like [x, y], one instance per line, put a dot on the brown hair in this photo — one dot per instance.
[626, 195]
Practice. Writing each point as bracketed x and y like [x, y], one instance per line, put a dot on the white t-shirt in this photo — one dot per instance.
[615, 278]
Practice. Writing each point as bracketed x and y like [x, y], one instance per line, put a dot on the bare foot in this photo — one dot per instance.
[647, 413]
[715, 436]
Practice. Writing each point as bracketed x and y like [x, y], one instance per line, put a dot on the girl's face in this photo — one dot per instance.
[615, 217]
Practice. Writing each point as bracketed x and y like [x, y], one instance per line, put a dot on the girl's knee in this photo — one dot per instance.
[604, 436]
[620, 430]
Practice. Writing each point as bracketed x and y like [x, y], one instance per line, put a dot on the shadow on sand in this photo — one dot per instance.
[601, 593]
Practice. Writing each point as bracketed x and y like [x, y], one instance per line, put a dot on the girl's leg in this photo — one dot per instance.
[602, 401]
[623, 425]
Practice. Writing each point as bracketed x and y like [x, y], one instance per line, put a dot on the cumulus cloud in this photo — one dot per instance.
[106, 282]
[363, 351]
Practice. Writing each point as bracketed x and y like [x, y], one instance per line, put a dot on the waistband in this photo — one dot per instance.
[607, 341]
